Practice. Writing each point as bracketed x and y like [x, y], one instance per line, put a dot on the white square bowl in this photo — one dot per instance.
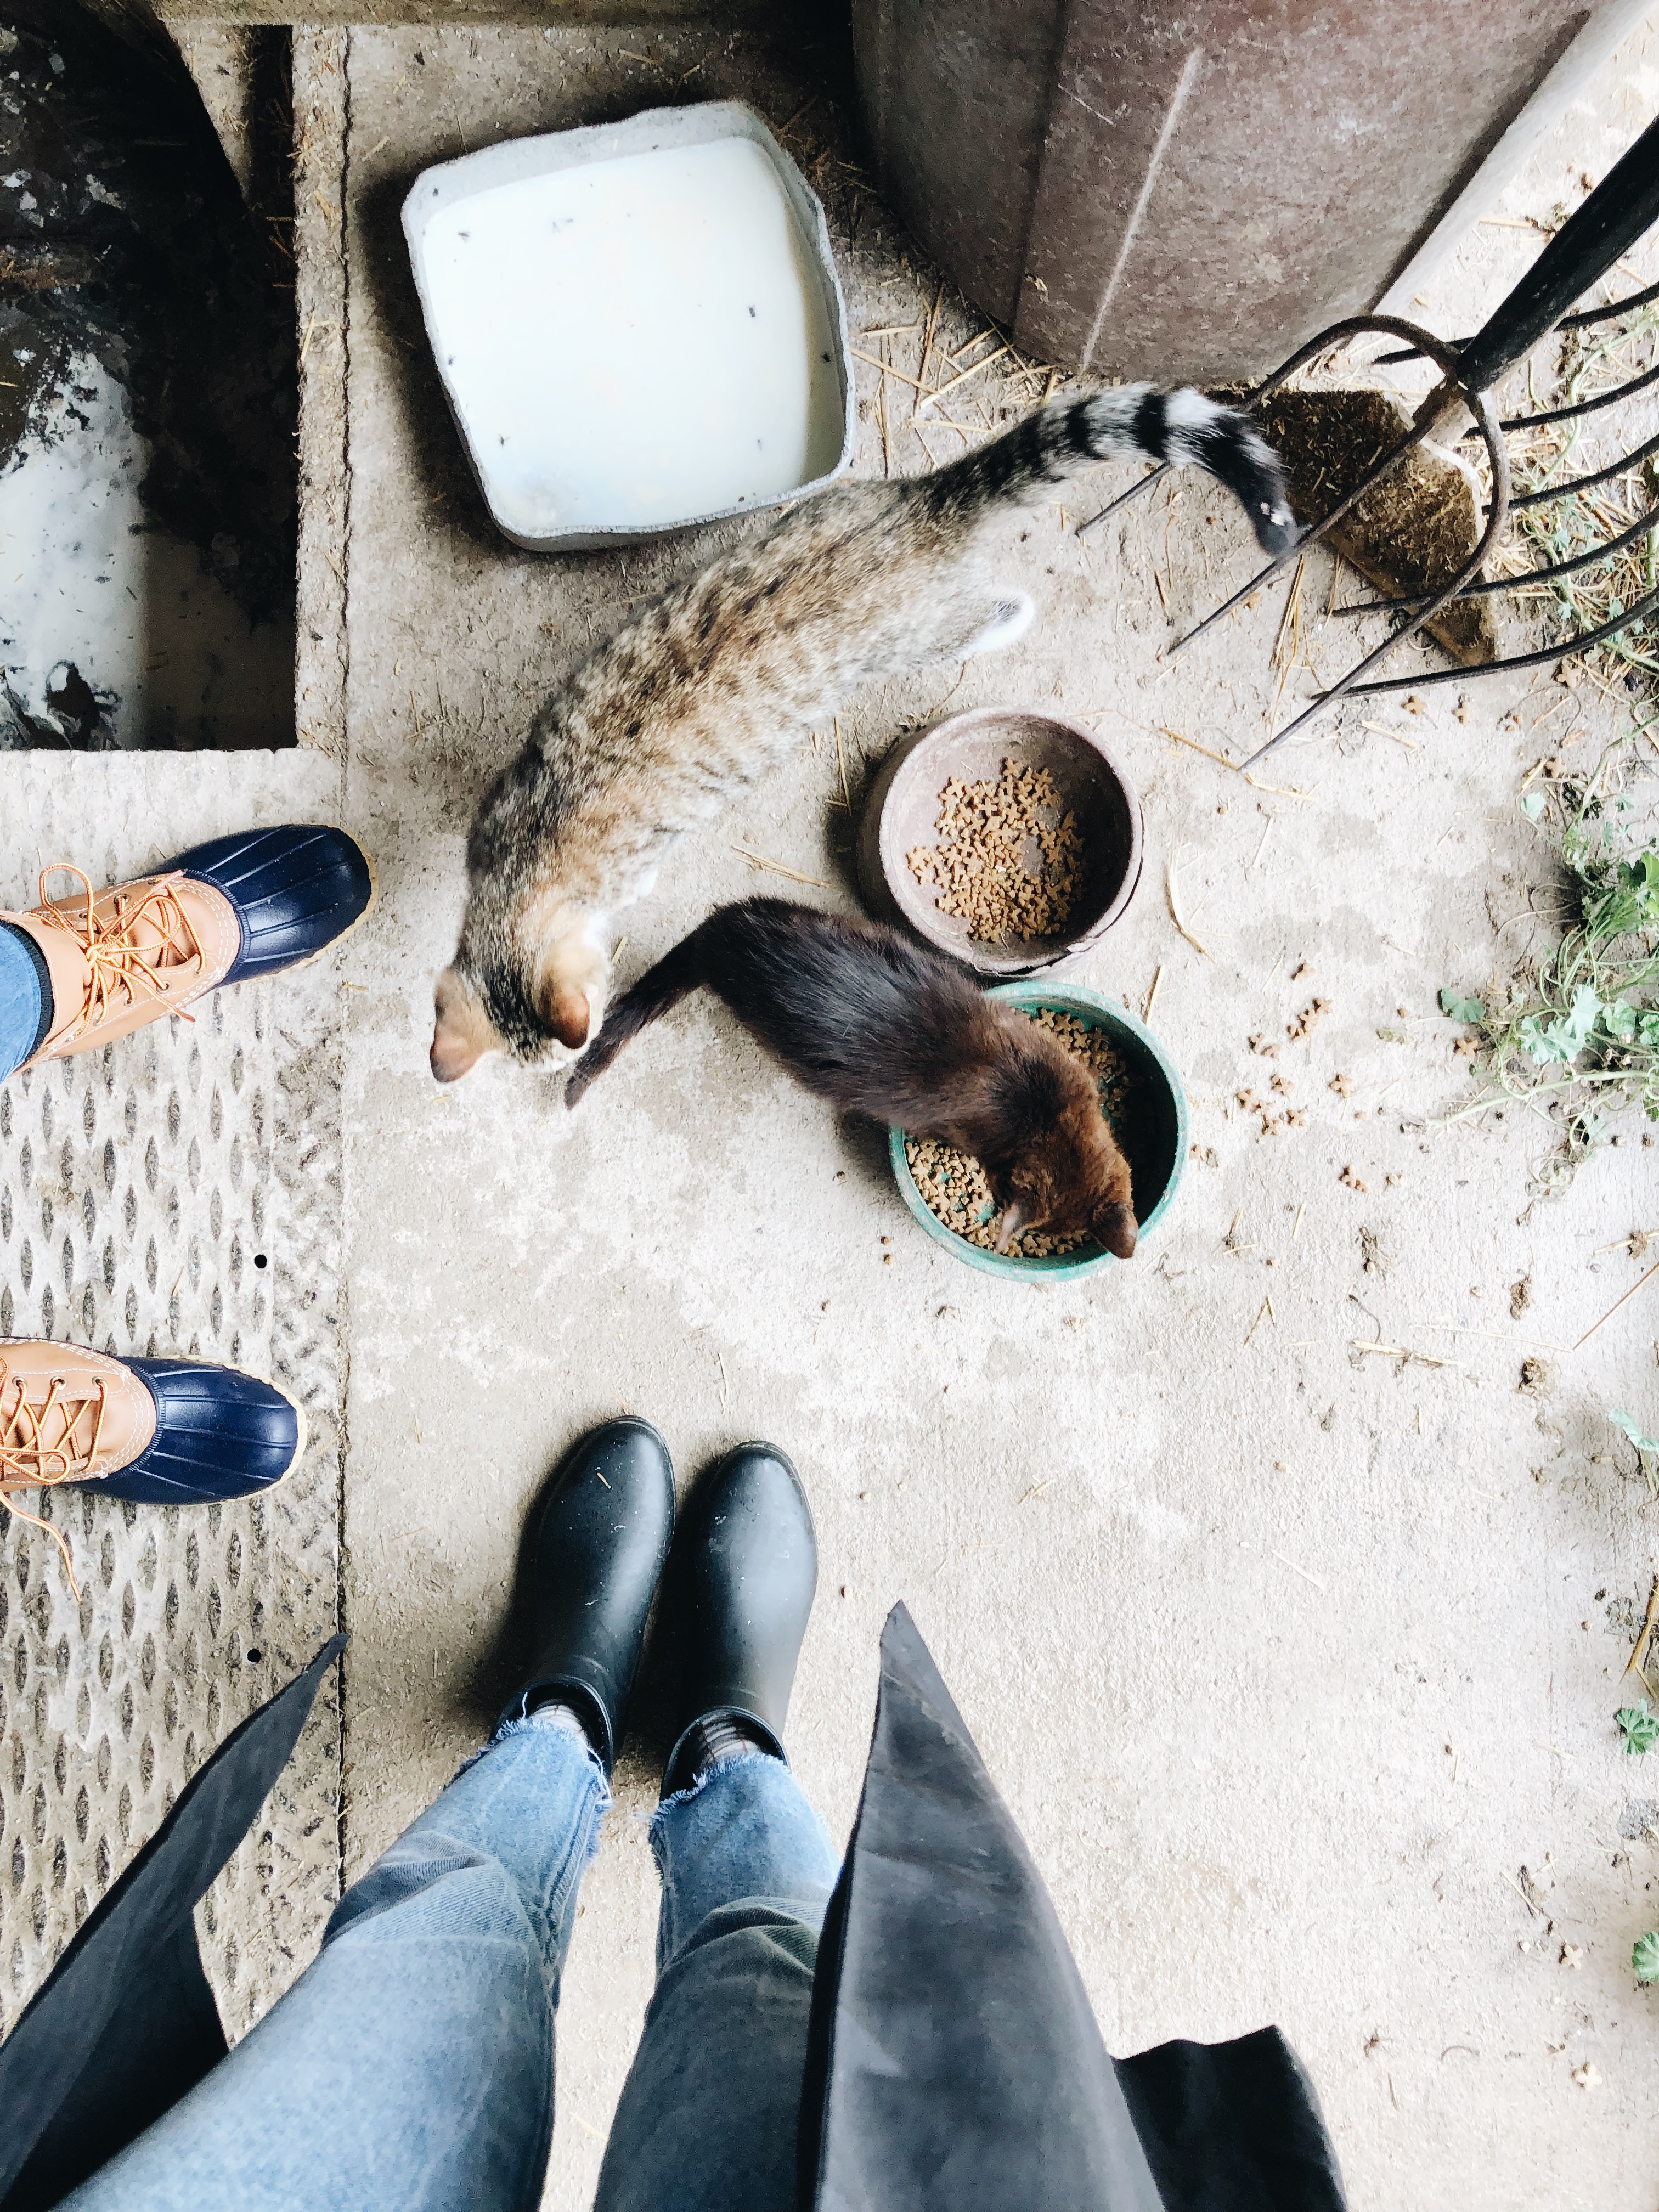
[639, 326]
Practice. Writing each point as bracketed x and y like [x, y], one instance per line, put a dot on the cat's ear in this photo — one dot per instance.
[565, 1011]
[461, 1031]
[1014, 1217]
[1117, 1229]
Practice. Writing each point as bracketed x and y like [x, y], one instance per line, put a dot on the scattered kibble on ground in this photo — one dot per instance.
[1009, 860]
[954, 1186]
[1316, 1011]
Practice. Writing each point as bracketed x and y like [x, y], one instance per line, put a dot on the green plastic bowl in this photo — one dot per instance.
[1156, 1155]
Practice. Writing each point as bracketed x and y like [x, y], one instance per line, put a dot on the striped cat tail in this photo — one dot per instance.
[1131, 421]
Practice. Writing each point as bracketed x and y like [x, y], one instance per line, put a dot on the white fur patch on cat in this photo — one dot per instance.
[1013, 619]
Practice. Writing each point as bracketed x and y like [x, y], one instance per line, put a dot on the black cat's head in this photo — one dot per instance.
[1071, 1181]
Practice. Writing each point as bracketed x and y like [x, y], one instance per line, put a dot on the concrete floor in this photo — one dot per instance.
[1291, 1658]
[1296, 1662]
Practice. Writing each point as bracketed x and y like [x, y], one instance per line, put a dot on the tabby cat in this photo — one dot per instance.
[712, 685]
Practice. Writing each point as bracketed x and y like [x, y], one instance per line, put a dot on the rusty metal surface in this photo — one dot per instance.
[181, 16]
[178, 1192]
[1616, 217]
[1187, 194]
[956, 94]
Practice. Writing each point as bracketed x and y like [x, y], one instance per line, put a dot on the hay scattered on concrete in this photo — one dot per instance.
[1594, 360]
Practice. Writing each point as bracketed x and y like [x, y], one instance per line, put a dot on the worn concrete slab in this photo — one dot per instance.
[1291, 1655]
[1296, 1660]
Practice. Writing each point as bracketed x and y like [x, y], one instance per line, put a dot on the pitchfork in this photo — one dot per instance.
[1619, 212]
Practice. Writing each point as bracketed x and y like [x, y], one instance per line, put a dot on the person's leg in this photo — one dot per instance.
[707, 2116]
[412, 2063]
[743, 1830]
[25, 1000]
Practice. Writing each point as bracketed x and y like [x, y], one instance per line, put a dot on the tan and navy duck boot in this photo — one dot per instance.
[164, 1432]
[158, 1431]
[110, 961]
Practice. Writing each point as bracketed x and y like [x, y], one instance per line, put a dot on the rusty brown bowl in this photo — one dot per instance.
[902, 812]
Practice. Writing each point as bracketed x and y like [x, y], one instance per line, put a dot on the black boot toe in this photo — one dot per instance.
[737, 1595]
[594, 1567]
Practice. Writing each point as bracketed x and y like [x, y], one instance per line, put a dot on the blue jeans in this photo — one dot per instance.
[20, 1000]
[410, 2067]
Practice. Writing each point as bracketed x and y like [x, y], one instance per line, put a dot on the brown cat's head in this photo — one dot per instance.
[1071, 1181]
[539, 1002]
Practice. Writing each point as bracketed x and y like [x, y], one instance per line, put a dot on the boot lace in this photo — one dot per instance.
[117, 970]
[46, 1440]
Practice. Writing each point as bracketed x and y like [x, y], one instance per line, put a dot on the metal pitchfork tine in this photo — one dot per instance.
[1619, 212]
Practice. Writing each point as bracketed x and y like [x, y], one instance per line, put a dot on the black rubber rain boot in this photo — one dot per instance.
[736, 1598]
[594, 1567]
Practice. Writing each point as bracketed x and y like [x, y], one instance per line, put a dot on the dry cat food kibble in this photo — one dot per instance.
[982, 862]
[954, 1187]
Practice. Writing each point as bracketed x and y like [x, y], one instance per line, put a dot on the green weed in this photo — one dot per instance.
[1647, 1447]
[1576, 1037]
